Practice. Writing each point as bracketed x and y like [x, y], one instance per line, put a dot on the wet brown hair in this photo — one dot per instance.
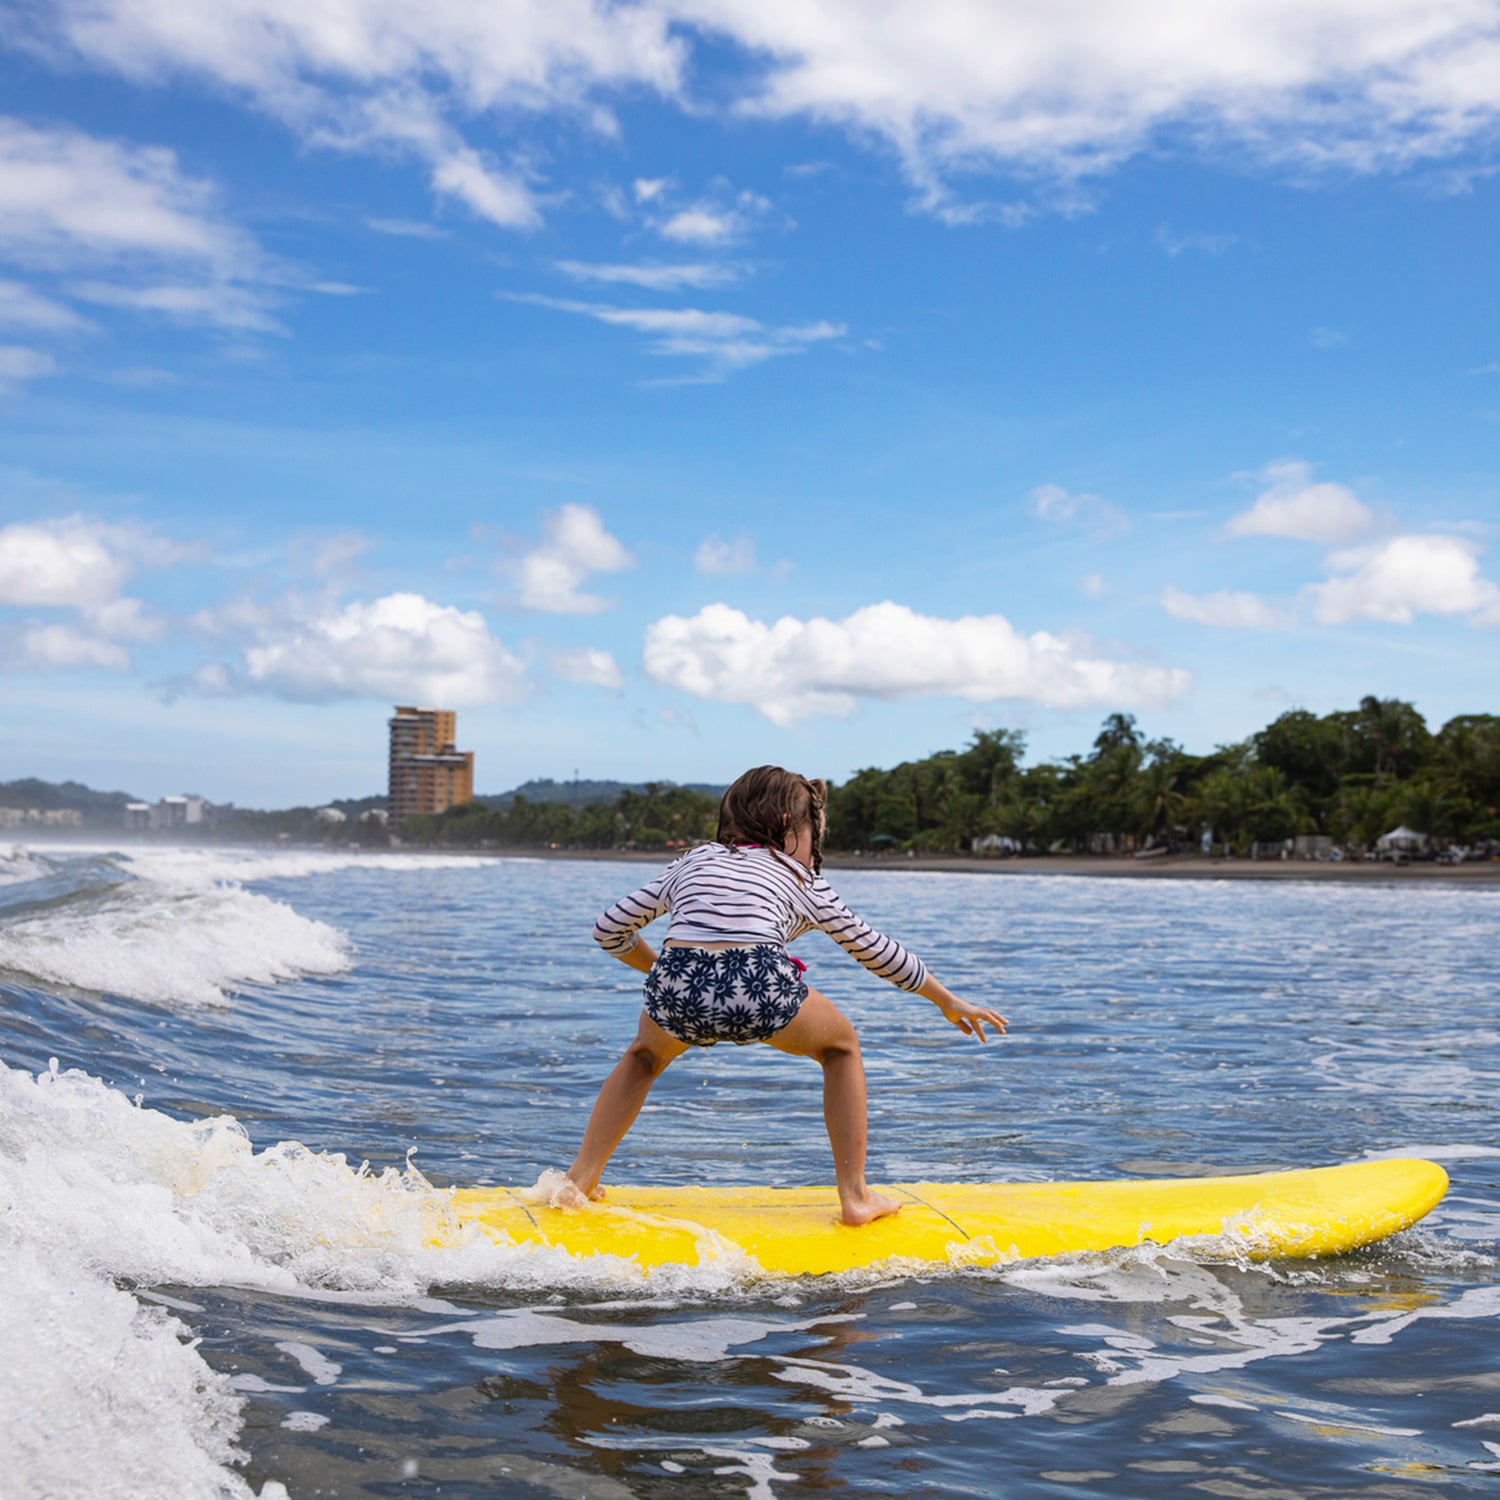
[768, 803]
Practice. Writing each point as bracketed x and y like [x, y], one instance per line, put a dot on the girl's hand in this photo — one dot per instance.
[971, 1019]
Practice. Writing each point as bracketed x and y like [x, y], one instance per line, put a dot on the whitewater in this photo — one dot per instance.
[235, 1086]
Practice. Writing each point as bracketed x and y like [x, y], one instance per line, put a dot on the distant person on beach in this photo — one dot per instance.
[724, 975]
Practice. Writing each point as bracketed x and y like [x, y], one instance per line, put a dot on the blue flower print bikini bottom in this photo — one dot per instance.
[706, 995]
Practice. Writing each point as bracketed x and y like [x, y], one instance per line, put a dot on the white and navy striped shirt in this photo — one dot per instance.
[751, 895]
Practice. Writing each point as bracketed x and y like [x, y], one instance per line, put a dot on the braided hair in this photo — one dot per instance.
[766, 804]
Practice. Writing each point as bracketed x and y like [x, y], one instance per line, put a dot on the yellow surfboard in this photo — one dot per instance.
[1316, 1212]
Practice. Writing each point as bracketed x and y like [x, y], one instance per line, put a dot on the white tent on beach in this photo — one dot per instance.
[1402, 838]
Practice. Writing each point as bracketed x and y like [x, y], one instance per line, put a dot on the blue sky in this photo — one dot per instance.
[677, 386]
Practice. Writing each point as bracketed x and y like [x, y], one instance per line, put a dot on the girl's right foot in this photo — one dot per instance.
[867, 1206]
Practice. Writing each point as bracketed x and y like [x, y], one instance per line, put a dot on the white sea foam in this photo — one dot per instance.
[179, 928]
[171, 944]
[111, 1401]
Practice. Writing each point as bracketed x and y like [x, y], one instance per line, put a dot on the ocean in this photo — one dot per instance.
[233, 1082]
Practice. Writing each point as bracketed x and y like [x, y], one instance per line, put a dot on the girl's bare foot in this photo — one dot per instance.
[867, 1206]
[556, 1189]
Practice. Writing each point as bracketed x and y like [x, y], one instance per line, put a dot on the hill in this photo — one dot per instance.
[585, 793]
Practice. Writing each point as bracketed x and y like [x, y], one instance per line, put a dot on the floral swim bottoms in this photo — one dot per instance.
[706, 995]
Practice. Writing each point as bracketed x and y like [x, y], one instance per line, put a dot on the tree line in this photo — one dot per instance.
[1351, 775]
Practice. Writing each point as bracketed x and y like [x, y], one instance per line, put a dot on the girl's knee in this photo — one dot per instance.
[647, 1057]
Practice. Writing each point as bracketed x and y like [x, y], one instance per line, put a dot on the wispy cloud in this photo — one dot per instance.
[727, 341]
[1175, 244]
[1051, 502]
[411, 229]
[697, 276]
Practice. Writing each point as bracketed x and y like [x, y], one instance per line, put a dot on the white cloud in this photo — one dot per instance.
[1051, 502]
[590, 666]
[1067, 90]
[411, 229]
[655, 278]
[70, 201]
[794, 668]
[951, 86]
[21, 307]
[35, 647]
[649, 189]
[399, 647]
[1175, 244]
[715, 555]
[1225, 610]
[74, 563]
[1094, 586]
[242, 309]
[1406, 576]
[367, 76]
[1293, 506]
[67, 197]
[577, 546]
[19, 364]
[727, 341]
[71, 562]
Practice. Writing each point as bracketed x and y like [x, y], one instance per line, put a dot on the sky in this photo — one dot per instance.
[677, 386]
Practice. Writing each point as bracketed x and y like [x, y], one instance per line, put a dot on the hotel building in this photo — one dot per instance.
[428, 775]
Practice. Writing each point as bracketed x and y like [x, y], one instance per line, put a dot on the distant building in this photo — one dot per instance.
[56, 817]
[330, 815]
[428, 774]
[171, 812]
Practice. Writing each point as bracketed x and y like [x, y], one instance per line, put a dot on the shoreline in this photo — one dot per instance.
[1070, 866]
[1079, 866]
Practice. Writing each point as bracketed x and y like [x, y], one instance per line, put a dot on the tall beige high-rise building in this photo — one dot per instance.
[428, 774]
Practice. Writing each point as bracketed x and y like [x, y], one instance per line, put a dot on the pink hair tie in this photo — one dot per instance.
[797, 963]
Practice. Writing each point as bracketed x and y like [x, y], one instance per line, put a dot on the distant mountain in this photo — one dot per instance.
[50, 796]
[583, 793]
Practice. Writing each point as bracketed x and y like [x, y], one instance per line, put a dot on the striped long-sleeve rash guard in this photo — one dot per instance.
[751, 895]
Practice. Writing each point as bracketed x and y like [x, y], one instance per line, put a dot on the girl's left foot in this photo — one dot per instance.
[867, 1206]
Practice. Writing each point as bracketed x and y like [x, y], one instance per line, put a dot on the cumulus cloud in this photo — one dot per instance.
[576, 547]
[73, 561]
[727, 341]
[1225, 609]
[715, 555]
[793, 668]
[1294, 506]
[590, 666]
[402, 647]
[1406, 576]
[82, 566]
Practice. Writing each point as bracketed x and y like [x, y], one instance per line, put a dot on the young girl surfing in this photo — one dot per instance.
[724, 975]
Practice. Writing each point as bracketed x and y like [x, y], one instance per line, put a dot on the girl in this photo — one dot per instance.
[724, 974]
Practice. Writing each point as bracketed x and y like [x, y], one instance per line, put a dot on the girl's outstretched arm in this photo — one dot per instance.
[970, 1019]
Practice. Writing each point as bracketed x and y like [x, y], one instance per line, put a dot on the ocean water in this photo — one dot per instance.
[232, 1083]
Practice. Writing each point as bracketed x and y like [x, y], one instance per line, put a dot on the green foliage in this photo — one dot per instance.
[660, 816]
[1352, 775]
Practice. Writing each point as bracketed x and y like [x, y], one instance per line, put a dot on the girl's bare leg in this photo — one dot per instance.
[822, 1032]
[620, 1101]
